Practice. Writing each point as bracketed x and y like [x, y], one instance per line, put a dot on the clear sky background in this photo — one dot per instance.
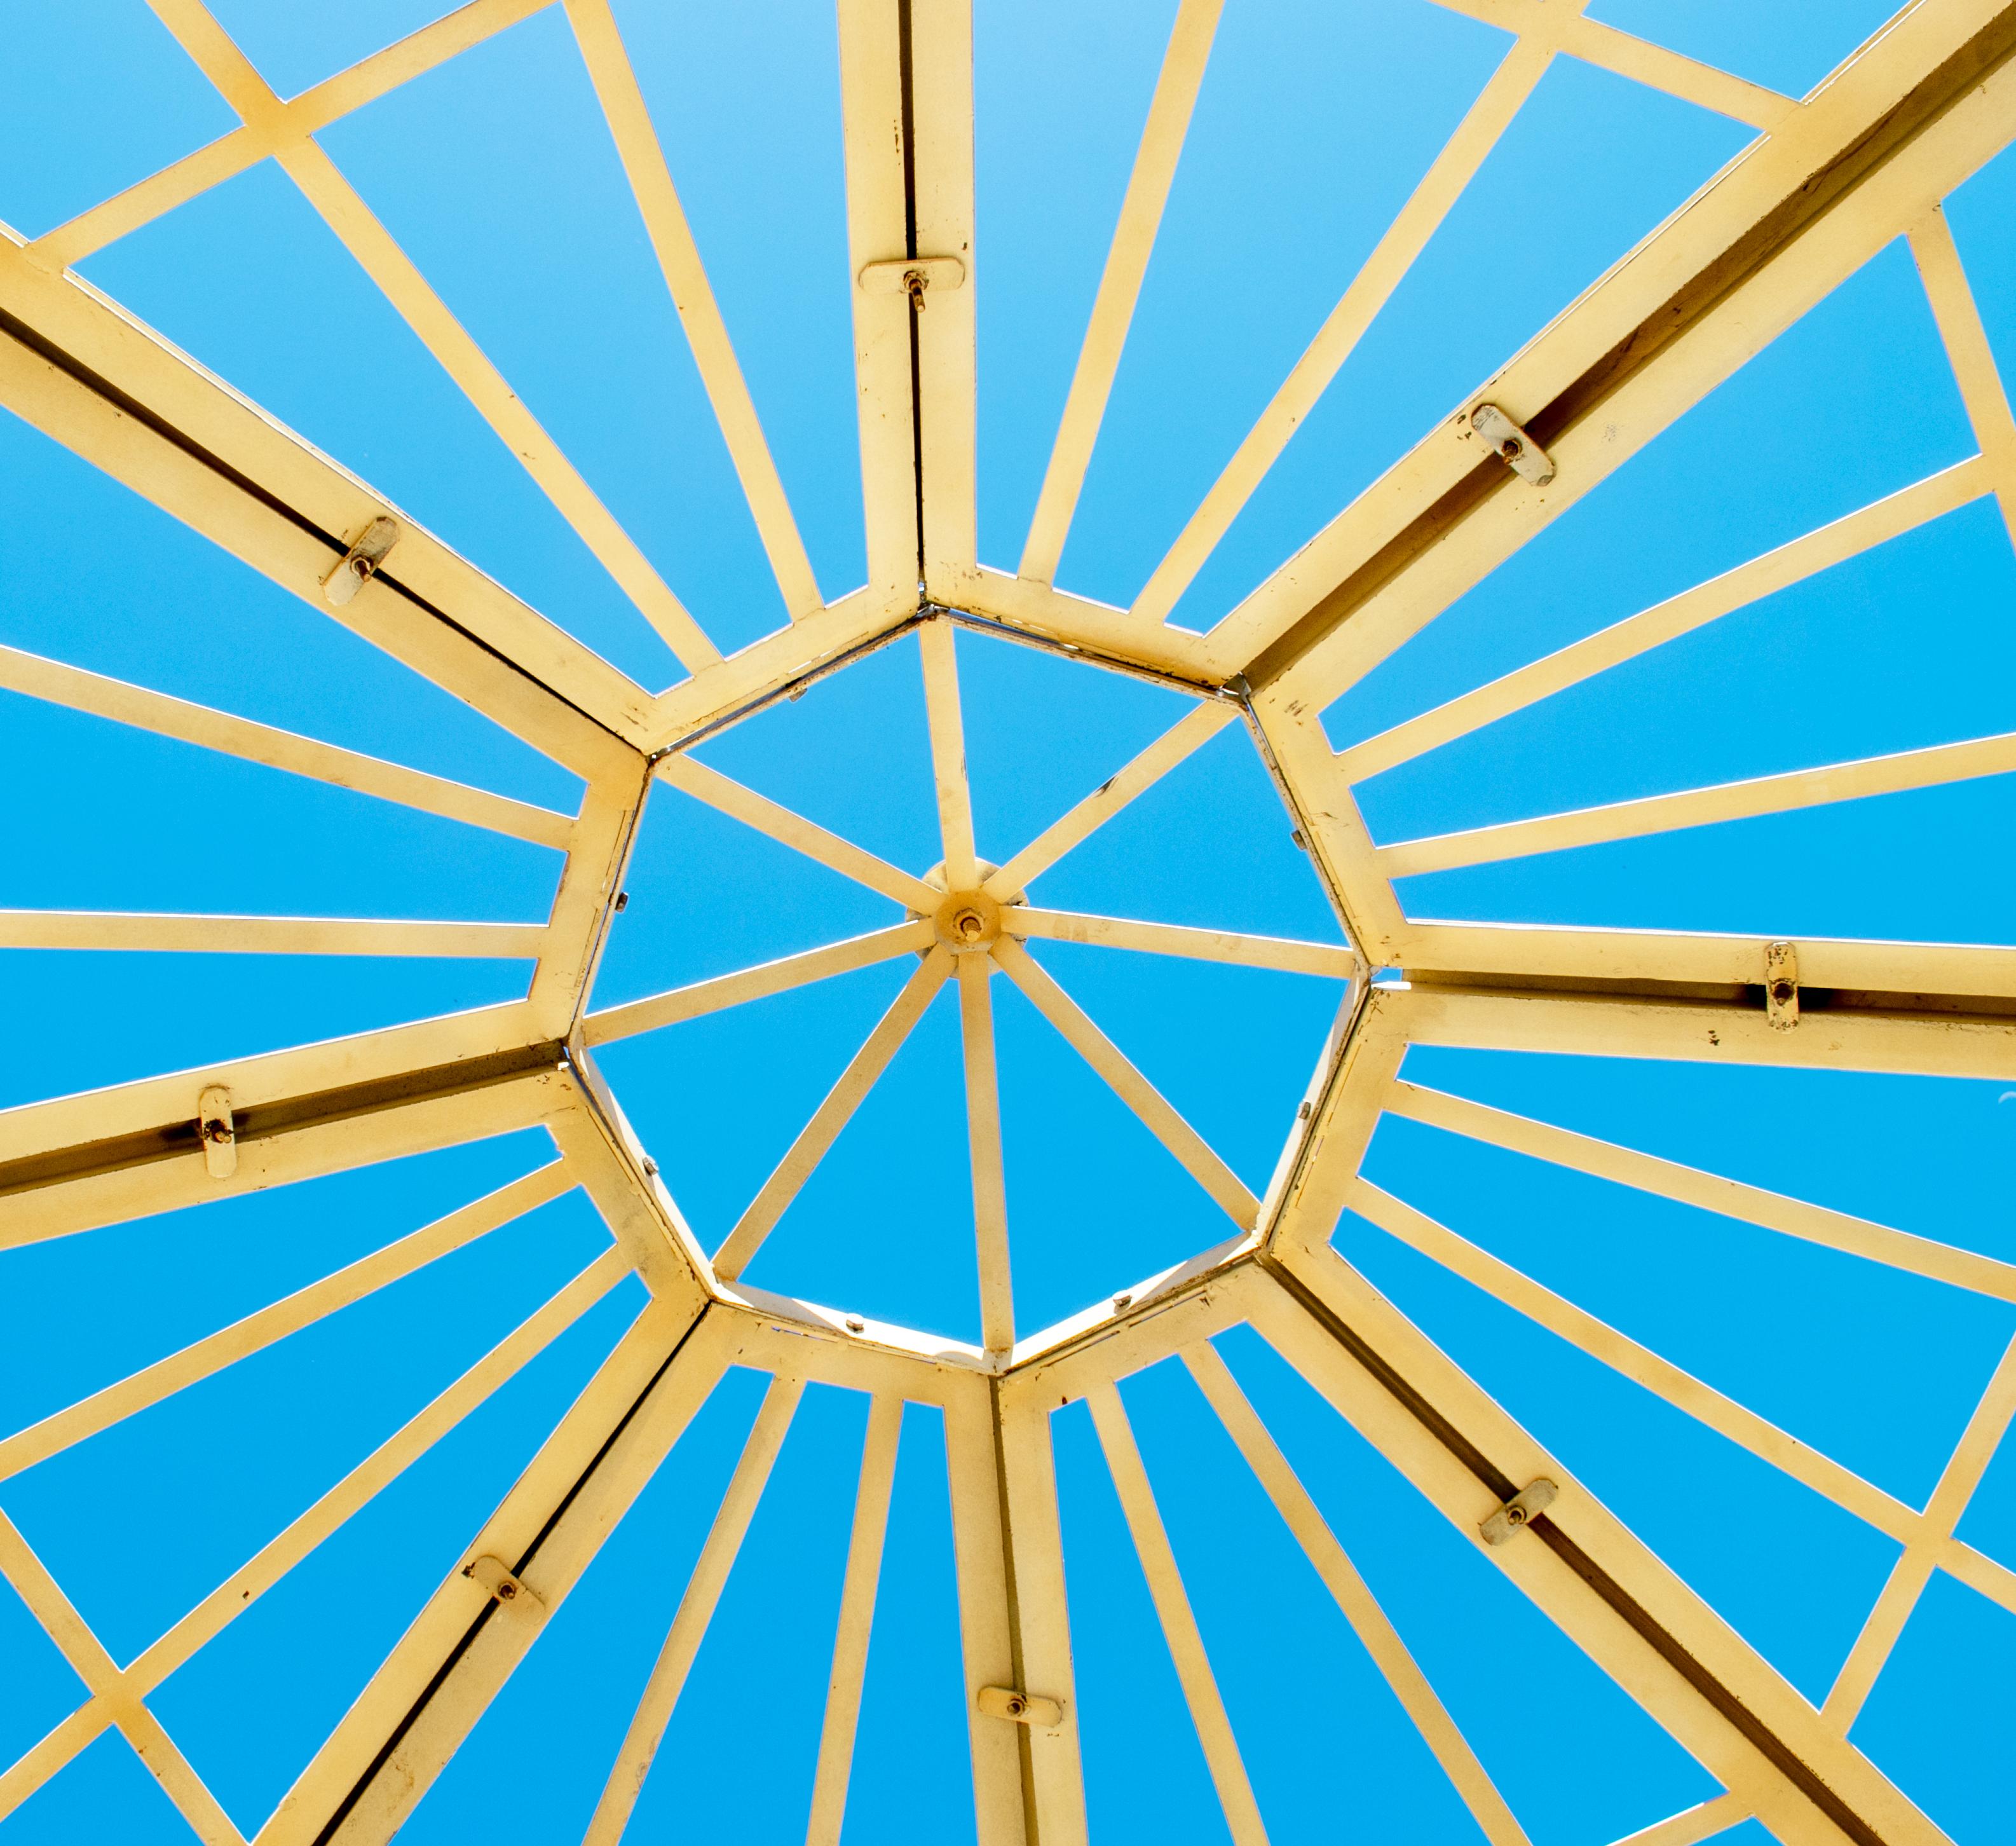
[1315, 122]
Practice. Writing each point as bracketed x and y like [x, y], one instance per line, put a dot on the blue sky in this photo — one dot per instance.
[1315, 122]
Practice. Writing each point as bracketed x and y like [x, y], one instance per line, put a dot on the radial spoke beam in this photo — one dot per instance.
[1882, 976]
[1180, 741]
[1332, 960]
[207, 1357]
[342, 208]
[1692, 1825]
[1052, 1769]
[944, 324]
[267, 935]
[1844, 538]
[1859, 780]
[1706, 1191]
[1178, 1623]
[1625, 1356]
[692, 777]
[937, 640]
[878, 139]
[1930, 1041]
[280, 1555]
[780, 976]
[399, 1451]
[1369, 291]
[452, 1661]
[97, 381]
[57, 684]
[629, 119]
[1675, 1657]
[1129, 1085]
[398, 279]
[1931, 100]
[695, 1611]
[849, 1669]
[832, 1114]
[983, 1116]
[1370, 1622]
[111, 1156]
[989, 1640]
[1120, 283]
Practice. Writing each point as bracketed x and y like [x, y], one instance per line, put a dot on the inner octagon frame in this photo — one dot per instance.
[1866, 159]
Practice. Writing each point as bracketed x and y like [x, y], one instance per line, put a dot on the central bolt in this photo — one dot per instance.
[968, 921]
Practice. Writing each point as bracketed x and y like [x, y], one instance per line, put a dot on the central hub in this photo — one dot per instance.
[968, 921]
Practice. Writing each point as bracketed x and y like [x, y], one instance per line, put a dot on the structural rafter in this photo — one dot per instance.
[1866, 159]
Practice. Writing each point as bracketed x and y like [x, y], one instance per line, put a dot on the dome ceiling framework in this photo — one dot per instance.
[1830, 180]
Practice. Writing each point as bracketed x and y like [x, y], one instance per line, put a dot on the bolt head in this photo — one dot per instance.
[855, 1324]
[1515, 1515]
[968, 921]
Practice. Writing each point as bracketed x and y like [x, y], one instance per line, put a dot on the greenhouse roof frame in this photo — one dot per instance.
[1866, 159]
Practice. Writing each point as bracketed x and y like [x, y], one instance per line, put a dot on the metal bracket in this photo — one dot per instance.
[1781, 985]
[911, 276]
[215, 1129]
[503, 1587]
[1019, 1707]
[1520, 453]
[1521, 1509]
[359, 564]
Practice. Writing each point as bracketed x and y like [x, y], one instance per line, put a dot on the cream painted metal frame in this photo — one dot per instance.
[1866, 159]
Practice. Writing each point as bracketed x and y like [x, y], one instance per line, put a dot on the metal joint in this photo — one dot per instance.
[1020, 1708]
[913, 276]
[503, 1586]
[1518, 451]
[1521, 1509]
[1781, 985]
[359, 564]
[215, 1129]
